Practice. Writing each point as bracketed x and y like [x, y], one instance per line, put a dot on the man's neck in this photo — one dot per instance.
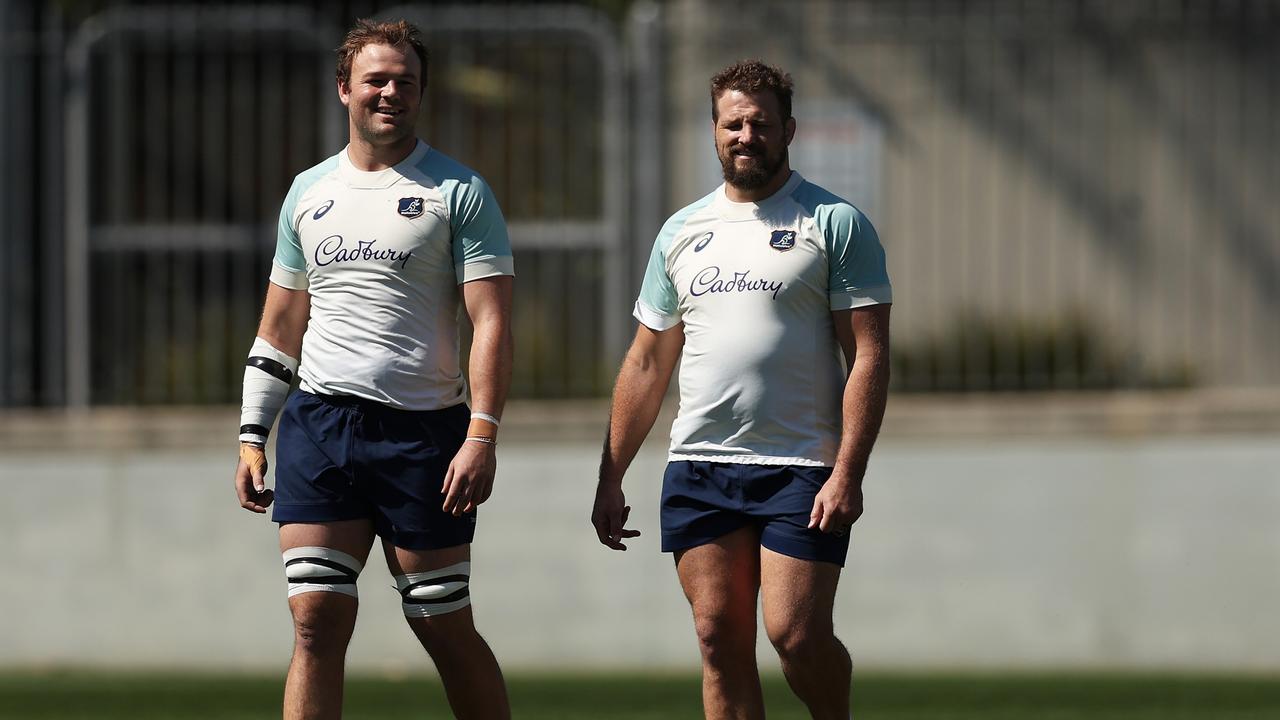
[737, 194]
[371, 158]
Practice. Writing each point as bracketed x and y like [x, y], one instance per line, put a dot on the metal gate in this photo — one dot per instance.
[186, 125]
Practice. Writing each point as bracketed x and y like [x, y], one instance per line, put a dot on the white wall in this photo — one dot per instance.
[1082, 551]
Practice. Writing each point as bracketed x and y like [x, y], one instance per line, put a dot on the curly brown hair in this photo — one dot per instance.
[752, 76]
[372, 32]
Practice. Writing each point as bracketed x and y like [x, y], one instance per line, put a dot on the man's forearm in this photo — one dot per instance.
[865, 395]
[490, 366]
[637, 399]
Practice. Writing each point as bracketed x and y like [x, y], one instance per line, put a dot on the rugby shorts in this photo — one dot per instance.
[347, 458]
[702, 501]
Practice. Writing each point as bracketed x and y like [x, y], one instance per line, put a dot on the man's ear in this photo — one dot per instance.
[344, 92]
[790, 127]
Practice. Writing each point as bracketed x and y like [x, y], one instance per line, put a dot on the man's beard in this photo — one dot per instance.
[756, 175]
[388, 136]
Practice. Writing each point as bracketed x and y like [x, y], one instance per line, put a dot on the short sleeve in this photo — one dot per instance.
[658, 307]
[857, 272]
[481, 246]
[289, 267]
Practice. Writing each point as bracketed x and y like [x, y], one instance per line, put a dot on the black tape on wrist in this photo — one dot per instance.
[254, 430]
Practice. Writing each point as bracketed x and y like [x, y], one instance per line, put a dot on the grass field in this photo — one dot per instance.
[69, 696]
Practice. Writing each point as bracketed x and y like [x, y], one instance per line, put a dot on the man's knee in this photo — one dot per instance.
[798, 641]
[323, 624]
[444, 635]
[724, 635]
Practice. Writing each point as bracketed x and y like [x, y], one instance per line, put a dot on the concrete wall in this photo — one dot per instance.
[994, 549]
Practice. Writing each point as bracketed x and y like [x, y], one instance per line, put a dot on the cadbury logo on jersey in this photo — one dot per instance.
[410, 207]
[708, 280]
[782, 240]
[334, 249]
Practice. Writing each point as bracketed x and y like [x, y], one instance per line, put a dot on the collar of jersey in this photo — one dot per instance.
[730, 210]
[372, 180]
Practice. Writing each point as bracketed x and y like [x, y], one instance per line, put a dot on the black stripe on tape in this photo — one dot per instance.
[331, 564]
[274, 368]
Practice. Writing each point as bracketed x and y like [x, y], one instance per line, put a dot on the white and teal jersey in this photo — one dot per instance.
[382, 255]
[761, 378]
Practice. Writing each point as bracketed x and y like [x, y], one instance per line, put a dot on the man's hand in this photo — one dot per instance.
[251, 484]
[610, 515]
[837, 506]
[469, 479]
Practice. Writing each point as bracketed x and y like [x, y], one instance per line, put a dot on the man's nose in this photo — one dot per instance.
[391, 89]
[746, 134]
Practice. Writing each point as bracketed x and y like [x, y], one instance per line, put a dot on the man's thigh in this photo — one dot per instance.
[353, 537]
[721, 578]
[798, 595]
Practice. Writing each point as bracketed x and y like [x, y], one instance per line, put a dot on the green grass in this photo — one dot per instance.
[75, 695]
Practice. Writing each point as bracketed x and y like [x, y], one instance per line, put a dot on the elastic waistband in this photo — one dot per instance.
[366, 405]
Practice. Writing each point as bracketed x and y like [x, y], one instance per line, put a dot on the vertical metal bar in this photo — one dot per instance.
[1270, 129]
[1053, 255]
[246, 281]
[158, 281]
[1222, 326]
[940, 357]
[216, 377]
[518, 207]
[582, 319]
[645, 212]
[550, 300]
[121, 372]
[551, 156]
[8, 212]
[75, 348]
[617, 303]
[184, 351]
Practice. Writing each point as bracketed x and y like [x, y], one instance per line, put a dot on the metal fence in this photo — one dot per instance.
[1073, 195]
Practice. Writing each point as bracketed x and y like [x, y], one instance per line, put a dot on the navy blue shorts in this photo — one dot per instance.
[346, 458]
[702, 501]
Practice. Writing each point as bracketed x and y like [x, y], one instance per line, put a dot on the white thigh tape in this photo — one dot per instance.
[319, 569]
[435, 592]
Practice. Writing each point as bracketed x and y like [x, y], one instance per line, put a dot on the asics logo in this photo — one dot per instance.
[320, 211]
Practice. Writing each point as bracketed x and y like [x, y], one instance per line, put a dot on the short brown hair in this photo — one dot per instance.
[752, 76]
[372, 32]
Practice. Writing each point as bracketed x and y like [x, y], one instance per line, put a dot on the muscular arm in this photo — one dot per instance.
[637, 398]
[284, 318]
[488, 304]
[863, 334]
[469, 479]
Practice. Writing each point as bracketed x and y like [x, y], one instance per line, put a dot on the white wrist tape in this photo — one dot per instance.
[485, 417]
[267, 376]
